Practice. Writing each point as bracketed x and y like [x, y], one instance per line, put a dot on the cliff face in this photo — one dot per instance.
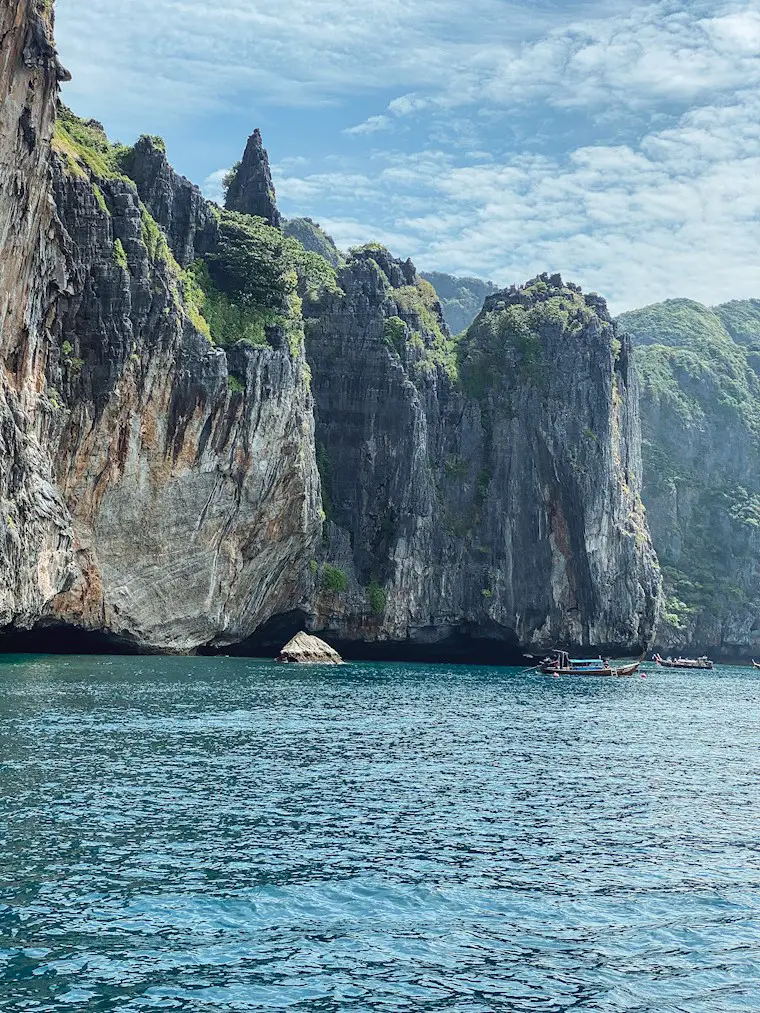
[153, 486]
[701, 421]
[488, 489]
[251, 190]
[161, 443]
[187, 469]
[35, 529]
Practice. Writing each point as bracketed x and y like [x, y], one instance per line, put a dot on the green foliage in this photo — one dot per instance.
[119, 255]
[67, 348]
[505, 345]
[394, 331]
[377, 597]
[741, 318]
[678, 323]
[229, 177]
[498, 343]
[158, 142]
[101, 201]
[314, 240]
[154, 238]
[221, 319]
[250, 264]
[420, 302]
[372, 247]
[195, 299]
[334, 579]
[234, 385]
[255, 279]
[85, 147]
[708, 376]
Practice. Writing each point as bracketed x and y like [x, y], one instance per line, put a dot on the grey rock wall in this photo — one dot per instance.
[251, 190]
[165, 492]
[491, 491]
[35, 530]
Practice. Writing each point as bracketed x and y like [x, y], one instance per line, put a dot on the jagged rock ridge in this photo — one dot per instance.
[161, 477]
[250, 189]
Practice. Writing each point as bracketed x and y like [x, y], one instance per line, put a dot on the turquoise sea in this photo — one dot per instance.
[230, 835]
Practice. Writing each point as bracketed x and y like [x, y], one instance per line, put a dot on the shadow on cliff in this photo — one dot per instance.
[63, 640]
[461, 647]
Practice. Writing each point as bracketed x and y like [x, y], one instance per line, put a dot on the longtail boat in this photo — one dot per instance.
[560, 663]
[755, 664]
[699, 663]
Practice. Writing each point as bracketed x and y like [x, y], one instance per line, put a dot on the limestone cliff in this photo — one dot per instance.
[700, 406]
[161, 444]
[485, 490]
[154, 485]
[250, 189]
[35, 529]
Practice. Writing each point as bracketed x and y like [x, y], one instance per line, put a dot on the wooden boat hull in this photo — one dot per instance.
[687, 668]
[613, 673]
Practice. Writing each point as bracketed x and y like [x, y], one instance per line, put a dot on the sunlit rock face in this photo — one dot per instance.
[154, 486]
[176, 376]
[36, 534]
[489, 488]
[251, 190]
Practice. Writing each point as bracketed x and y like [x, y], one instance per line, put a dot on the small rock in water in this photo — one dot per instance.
[305, 649]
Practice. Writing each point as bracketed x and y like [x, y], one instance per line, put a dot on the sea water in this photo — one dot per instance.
[228, 834]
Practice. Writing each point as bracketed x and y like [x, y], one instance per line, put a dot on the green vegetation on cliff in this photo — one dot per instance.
[420, 305]
[506, 337]
[700, 404]
[254, 280]
[313, 239]
[84, 146]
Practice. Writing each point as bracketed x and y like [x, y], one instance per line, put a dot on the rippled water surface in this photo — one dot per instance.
[227, 834]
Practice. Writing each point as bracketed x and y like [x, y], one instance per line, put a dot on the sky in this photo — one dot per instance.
[617, 143]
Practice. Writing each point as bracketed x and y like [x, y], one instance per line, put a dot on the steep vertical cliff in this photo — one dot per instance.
[154, 485]
[161, 446]
[35, 529]
[488, 489]
[188, 468]
[700, 406]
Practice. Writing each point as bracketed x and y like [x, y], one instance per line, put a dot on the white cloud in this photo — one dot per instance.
[213, 187]
[616, 141]
[370, 126]
[638, 223]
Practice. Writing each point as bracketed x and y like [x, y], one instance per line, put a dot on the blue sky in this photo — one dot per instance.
[618, 143]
